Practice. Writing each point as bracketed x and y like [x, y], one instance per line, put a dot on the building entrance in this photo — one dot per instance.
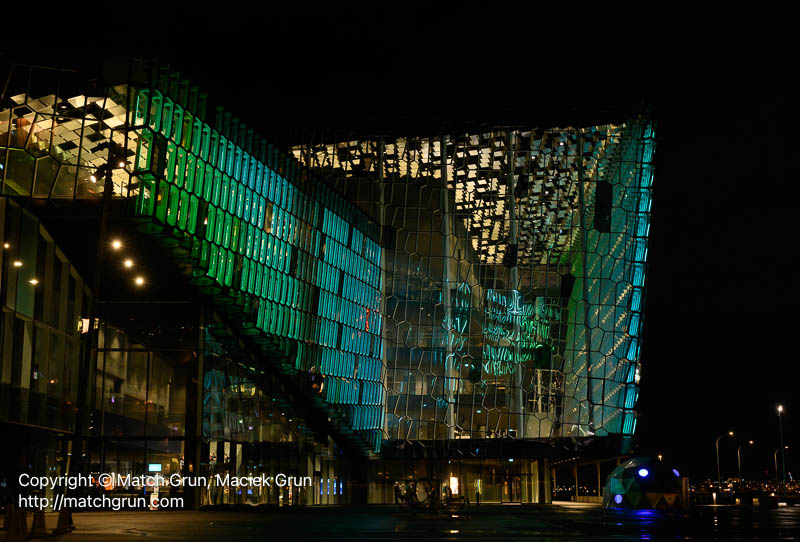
[512, 489]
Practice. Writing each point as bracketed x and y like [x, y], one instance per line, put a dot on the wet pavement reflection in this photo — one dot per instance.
[562, 521]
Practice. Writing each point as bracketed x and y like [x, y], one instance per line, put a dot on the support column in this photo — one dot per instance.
[575, 477]
[310, 491]
[599, 481]
[194, 416]
[535, 482]
[382, 271]
[585, 281]
[546, 487]
[449, 283]
[517, 407]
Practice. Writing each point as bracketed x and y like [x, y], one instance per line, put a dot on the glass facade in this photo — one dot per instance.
[145, 415]
[514, 268]
[140, 405]
[295, 264]
[43, 299]
[463, 288]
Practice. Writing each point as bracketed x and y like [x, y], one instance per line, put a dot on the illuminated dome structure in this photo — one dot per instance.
[644, 482]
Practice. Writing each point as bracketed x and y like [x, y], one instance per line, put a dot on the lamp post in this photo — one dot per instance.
[739, 459]
[775, 457]
[783, 459]
[719, 476]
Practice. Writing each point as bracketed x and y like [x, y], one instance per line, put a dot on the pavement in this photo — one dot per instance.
[561, 521]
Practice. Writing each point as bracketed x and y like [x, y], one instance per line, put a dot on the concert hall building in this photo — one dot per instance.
[180, 296]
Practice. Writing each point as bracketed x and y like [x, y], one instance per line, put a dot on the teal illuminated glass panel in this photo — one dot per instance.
[260, 237]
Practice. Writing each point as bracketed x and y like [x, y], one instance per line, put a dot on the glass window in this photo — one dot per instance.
[197, 130]
[219, 227]
[172, 209]
[166, 396]
[65, 182]
[186, 131]
[180, 168]
[224, 192]
[156, 101]
[140, 106]
[191, 225]
[19, 173]
[213, 148]
[222, 147]
[190, 172]
[199, 177]
[46, 171]
[206, 142]
[166, 118]
[177, 123]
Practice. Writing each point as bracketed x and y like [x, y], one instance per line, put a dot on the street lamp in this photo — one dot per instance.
[739, 459]
[775, 456]
[780, 431]
[719, 476]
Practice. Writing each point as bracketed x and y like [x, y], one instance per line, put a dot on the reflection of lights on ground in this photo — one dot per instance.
[646, 512]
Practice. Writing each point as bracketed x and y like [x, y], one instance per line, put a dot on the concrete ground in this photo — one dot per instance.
[562, 521]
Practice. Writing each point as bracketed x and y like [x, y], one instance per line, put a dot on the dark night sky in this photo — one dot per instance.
[720, 333]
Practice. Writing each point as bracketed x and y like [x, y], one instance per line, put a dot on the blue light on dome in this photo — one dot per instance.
[675, 471]
[618, 499]
[643, 473]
